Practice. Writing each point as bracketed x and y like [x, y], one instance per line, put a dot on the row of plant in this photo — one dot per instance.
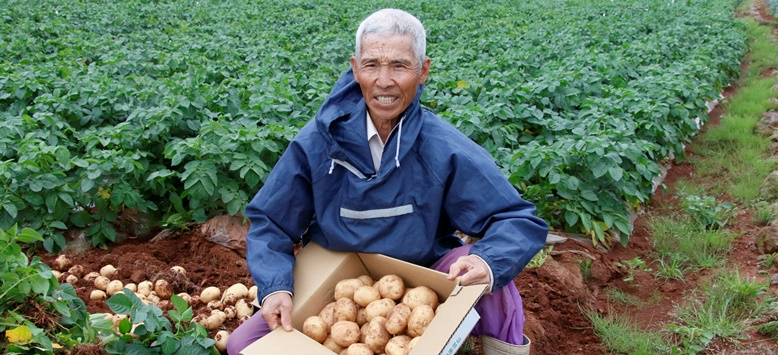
[179, 109]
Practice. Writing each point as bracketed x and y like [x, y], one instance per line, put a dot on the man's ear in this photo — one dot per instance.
[425, 71]
[353, 61]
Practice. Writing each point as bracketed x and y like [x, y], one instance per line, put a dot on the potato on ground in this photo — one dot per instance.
[209, 294]
[376, 335]
[315, 328]
[398, 345]
[391, 286]
[419, 320]
[397, 319]
[421, 295]
[345, 288]
[344, 333]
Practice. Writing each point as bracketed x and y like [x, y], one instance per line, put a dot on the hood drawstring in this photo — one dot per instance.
[399, 135]
[355, 171]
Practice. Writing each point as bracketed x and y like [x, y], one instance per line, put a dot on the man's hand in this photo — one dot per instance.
[277, 310]
[475, 271]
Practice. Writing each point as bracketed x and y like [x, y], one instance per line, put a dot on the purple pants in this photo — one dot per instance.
[502, 315]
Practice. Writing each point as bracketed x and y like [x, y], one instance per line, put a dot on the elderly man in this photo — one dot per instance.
[374, 172]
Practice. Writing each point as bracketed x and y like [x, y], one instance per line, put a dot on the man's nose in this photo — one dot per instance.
[384, 76]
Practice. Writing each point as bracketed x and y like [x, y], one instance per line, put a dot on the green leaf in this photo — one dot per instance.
[571, 218]
[120, 303]
[589, 195]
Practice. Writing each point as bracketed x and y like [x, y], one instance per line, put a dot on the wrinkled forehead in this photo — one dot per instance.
[387, 47]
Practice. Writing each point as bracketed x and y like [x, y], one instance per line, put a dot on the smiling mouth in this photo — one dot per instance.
[385, 99]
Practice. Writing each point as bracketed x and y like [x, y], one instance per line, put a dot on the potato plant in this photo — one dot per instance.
[373, 317]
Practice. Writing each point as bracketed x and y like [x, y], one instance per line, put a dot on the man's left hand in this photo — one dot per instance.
[475, 271]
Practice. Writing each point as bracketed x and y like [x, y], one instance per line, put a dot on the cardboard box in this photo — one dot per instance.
[318, 270]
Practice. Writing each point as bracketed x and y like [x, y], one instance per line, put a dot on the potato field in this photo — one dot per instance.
[121, 120]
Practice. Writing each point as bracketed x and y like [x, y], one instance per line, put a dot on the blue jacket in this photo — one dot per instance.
[325, 186]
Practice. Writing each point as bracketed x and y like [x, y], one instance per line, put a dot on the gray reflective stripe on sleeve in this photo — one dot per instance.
[380, 213]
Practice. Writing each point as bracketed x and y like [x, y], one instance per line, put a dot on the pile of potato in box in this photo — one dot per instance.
[373, 317]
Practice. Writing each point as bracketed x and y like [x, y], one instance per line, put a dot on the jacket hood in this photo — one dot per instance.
[341, 120]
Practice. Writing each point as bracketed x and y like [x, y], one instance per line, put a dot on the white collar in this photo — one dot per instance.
[371, 130]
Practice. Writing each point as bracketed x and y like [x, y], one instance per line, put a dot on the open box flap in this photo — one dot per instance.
[280, 341]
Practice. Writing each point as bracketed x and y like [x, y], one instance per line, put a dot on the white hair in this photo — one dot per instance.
[389, 22]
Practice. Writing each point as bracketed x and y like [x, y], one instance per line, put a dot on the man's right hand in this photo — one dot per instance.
[277, 310]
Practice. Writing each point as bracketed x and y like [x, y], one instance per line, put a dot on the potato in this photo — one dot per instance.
[109, 271]
[243, 309]
[179, 270]
[230, 312]
[163, 289]
[97, 295]
[90, 277]
[359, 349]
[376, 335]
[101, 283]
[57, 275]
[361, 317]
[220, 340]
[145, 287]
[328, 313]
[153, 297]
[366, 279]
[391, 286]
[329, 343]
[421, 295]
[215, 304]
[114, 287]
[345, 309]
[419, 320]
[237, 291]
[76, 270]
[363, 332]
[71, 279]
[62, 262]
[252, 293]
[378, 308]
[398, 345]
[345, 288]
[131, 286]
[185, 296]
[209, 294]
[315, 328]
[413, 343]
[397, 319]
[344, 333]
[215, 320]
[364, 295]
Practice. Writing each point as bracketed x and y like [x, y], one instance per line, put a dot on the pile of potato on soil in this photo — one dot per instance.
[234, 303]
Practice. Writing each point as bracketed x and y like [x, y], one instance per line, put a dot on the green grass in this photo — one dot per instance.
[726, 307]
[730, 151]
[730, 159]
[618, 296]
[763, 51]
[681, 244]
[620, 335]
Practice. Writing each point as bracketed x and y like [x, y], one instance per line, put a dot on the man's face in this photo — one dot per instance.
[388, 73]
